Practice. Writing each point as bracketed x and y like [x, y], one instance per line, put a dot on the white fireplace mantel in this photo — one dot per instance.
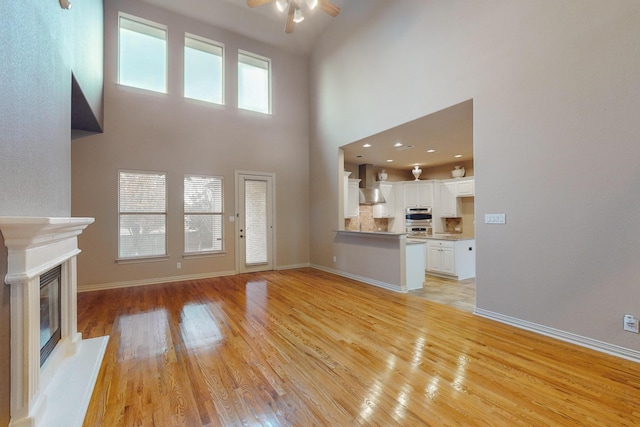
[58, 393]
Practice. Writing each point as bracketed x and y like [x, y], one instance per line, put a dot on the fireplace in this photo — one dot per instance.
[53, 370]
[50, 332]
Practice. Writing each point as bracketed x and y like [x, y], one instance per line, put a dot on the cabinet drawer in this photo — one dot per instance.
[441, 244]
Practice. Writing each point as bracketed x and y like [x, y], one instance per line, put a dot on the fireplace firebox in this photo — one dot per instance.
[50, 292]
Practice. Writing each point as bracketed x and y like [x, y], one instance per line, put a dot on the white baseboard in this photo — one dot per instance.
[385, 285]
[153, 281]
[292, 266]
[600, 346]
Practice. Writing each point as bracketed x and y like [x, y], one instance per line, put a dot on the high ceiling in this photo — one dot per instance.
[449, 131]
[263, 23]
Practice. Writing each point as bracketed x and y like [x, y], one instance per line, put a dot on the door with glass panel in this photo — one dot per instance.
[254, 222]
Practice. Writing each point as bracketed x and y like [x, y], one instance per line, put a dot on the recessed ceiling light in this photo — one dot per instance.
[457, 156]
[367, 145]
[389, 160]
[398, 144]
[431, 150]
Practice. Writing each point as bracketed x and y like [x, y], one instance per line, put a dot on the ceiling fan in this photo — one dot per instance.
[294, 9]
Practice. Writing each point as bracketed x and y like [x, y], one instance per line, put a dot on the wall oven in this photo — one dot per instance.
[417, 222]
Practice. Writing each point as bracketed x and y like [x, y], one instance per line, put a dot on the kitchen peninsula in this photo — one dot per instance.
[384, 259]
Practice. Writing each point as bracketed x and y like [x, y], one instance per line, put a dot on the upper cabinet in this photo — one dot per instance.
[387, 209]
[465, 187]
[449, 203]
[351, 196]
[418, 194]
[450, 192]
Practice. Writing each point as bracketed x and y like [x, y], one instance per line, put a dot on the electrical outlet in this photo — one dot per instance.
[335, 259]
[179, 266]
[630, 323]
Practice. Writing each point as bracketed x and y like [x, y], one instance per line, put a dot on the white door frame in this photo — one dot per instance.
[240, 257]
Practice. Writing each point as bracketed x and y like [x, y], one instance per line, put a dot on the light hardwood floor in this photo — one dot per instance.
[307, 348]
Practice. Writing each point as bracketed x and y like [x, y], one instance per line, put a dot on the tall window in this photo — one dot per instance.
[142, 205]
[202, 214]
[142, 54]
[203, 65]
[254, 82]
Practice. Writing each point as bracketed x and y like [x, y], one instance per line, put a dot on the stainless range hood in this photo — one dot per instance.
[370, 193]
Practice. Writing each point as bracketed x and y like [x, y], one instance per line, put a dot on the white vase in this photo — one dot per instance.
[382, 175]
[457, 172]
[416, 172]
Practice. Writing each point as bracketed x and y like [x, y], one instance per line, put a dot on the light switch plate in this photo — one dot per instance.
[495, 218]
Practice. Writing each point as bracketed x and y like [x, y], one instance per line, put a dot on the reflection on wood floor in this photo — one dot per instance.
[308, 348]
[455, 293]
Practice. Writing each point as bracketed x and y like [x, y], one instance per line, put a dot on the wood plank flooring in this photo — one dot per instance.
[307, 348]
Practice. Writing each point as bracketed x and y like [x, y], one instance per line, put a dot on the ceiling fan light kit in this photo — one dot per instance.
[282, 5]
[293, 9]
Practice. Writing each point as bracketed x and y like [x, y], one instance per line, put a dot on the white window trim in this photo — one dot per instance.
[156, 26]
[222, 55]
[269, 72]
[202, 254]
[146, 258]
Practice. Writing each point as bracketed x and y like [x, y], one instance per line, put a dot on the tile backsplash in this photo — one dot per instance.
[366, 219]
[453, 225]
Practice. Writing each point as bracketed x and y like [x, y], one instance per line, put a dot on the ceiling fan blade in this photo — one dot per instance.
[256, 3]
[290, 24]
[328, 7]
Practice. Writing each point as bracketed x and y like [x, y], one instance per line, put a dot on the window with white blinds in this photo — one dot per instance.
[142, 207]
[203, 69]
[255, 202]
[254, 82]
[142, 53]
[203, 214]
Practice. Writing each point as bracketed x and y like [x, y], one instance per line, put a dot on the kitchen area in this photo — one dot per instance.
[428, 203]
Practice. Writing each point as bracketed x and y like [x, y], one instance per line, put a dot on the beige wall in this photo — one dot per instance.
[158, 132]
[555, 141]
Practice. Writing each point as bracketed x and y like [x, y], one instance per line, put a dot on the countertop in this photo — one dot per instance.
[451, 237]
[371, 233]
[410, 239]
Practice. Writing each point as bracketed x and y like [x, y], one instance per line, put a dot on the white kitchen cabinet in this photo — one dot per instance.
[387, 209]
[441, 257]
[465, 188]
[451, 258]
[450, 205]
[418, 194]
[351, 196]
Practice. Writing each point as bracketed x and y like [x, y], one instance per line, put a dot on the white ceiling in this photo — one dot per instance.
[263, 23]
[449, 131]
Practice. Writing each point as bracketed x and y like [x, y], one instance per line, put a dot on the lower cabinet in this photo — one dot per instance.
[451, 258]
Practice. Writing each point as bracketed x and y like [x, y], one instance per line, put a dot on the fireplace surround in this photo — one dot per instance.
[58, 392]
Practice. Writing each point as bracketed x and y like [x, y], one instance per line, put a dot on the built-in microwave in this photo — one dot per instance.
[417, 222]
[417, 214]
